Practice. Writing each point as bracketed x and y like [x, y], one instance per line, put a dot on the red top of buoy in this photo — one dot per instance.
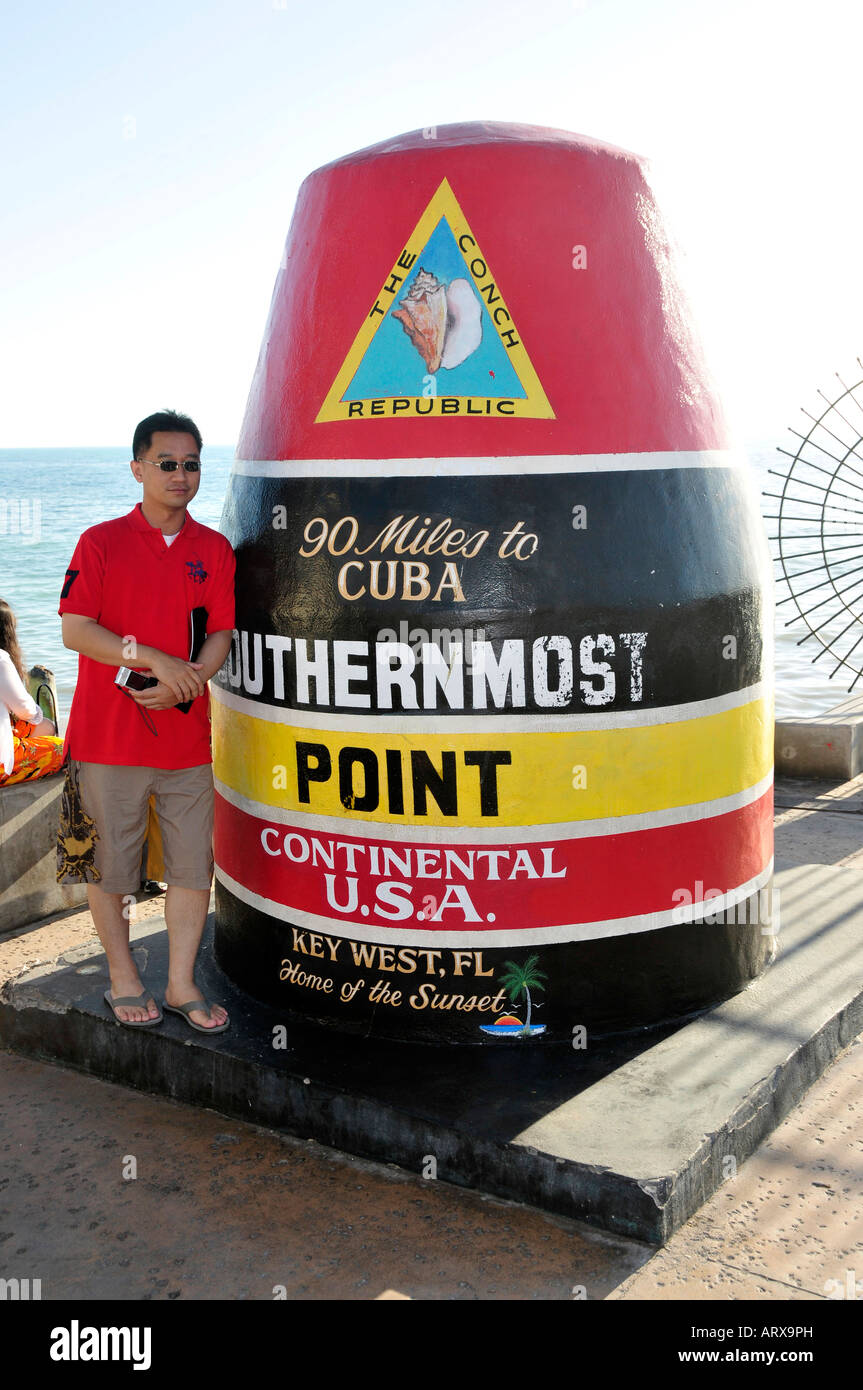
[478, 290]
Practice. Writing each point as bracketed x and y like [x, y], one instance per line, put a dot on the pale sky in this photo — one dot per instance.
[152, 154]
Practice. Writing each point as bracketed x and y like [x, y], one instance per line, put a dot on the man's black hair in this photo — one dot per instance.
[164, 420]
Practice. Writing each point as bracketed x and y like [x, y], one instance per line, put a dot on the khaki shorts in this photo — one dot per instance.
[117, 798]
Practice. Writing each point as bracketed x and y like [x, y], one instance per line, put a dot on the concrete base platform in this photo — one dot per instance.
[631, 1134]
[823, 745]
[29, 891]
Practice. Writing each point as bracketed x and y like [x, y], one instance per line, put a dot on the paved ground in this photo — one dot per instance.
[219, 1209]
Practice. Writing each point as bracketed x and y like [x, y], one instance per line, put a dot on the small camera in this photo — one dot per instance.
[134, 680]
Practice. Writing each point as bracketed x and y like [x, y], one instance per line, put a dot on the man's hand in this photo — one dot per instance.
[159, 696]
[180, 677]
[85, 635]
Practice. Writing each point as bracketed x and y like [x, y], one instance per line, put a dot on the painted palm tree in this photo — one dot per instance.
[521, 979]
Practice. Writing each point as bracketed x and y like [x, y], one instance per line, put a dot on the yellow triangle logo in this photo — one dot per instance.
[439, 338]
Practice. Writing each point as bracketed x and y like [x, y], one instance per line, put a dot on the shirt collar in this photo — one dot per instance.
[137, 519]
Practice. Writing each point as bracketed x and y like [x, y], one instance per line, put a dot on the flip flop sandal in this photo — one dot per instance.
[127, 1001]
[195, 1005]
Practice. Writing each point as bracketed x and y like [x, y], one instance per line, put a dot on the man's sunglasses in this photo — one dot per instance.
[169, 466]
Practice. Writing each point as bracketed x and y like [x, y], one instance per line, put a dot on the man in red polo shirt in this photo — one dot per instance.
[130, 592]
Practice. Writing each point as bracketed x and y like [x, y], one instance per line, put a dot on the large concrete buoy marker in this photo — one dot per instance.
[495, 735]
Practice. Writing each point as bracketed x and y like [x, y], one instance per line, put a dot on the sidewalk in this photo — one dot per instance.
[220, 1209]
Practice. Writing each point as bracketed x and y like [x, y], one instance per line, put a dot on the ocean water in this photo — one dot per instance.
[49, 496]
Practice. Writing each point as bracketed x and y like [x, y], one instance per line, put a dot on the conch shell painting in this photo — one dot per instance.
[443, 321]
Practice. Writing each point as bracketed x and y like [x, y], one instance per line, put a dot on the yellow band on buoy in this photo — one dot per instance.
[496, 778]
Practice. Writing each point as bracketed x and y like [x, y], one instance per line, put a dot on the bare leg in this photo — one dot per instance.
[112, 926]
[185, 916]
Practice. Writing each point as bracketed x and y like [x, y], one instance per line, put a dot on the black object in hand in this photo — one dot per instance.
[198, 623]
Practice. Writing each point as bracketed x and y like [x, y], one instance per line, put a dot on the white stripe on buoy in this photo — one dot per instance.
[541, 722]
[574, 931]
[507, 834]
[532, 464]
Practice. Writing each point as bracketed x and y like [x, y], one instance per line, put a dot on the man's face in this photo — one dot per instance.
[174, 489]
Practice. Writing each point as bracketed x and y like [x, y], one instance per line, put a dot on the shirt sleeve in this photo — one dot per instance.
[82, 587]
[15, 694]
[220, 610]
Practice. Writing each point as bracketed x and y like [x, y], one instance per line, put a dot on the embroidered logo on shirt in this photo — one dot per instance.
[197, 573]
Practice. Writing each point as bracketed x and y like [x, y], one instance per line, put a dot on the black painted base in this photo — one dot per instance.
[605, 986]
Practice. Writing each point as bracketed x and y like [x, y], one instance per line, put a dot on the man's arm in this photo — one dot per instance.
[210, 659]
[182, 678]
